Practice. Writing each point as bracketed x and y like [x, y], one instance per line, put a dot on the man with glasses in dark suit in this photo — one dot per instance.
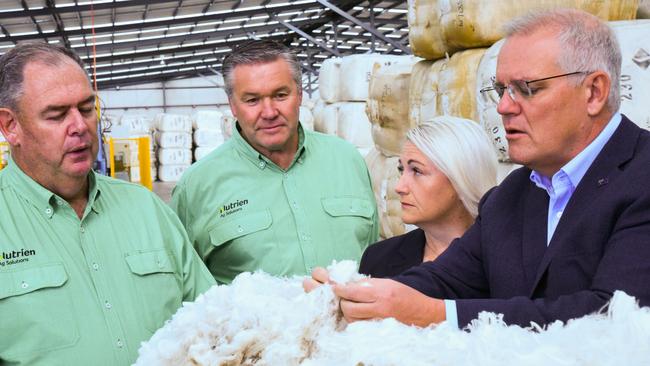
[561, 234]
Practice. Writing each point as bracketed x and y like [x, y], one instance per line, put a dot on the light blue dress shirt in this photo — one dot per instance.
[560, 188]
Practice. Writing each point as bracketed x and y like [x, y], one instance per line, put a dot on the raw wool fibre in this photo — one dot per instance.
[262, 320]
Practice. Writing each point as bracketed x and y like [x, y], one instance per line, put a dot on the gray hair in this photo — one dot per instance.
[462, 151]
[12, 66]
[591, 44]
[256, 52]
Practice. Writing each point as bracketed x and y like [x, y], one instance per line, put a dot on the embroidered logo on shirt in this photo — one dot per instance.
[15, 256]
[232, 207]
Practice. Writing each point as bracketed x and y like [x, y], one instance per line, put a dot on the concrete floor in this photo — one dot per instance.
[164, 190]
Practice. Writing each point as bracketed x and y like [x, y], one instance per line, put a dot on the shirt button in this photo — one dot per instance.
[240, 229]
[95, 266]
[59, 202]
[83, 230]
[119, 344]
[108, 305]
[48, 211]
[24, 285]
[262, 164]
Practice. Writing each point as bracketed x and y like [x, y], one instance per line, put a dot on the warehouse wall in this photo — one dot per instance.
[178, 96]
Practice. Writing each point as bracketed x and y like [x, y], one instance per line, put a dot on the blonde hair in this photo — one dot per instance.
[462, 151]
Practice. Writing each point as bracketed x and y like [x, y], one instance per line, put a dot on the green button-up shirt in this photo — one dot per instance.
[89, 291]
[243, 213]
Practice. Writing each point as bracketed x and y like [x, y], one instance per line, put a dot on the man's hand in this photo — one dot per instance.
[319, 276]
[383, 298]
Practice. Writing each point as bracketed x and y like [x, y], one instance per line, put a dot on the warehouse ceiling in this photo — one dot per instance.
[141, 41]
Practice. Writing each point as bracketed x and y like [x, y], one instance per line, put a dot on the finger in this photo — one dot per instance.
[320, 274]
[309, 284]
[362, 292]
[355, 311]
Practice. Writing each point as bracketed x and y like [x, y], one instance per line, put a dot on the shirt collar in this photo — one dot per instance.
[576, 168]
[39, 196]
[261, 161]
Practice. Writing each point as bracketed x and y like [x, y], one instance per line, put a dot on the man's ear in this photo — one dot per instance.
[9, 126]
[597, 84]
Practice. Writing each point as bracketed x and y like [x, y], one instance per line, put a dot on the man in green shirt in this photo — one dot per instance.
[274, 197]
[90, 267]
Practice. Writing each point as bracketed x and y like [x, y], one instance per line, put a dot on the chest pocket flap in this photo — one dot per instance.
[151, 261]
[31, 279]
[224, 232]
[347, 206]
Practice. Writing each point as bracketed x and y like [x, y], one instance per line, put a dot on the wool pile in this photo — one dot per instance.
[264, 320]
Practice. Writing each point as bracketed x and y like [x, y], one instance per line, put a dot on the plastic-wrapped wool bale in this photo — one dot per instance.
[329, 119]
[643, 12]
[208, 133]
[384, 177]
[456, 84]
[355, 74]
[386, 107]
[423, 90]
[437, 27]
[173, 132]
[306, 118]
[635, 82]
[132, 126]
[353, 126]
[317, 113]
[328, 80]
[227, 122]
[171, 173]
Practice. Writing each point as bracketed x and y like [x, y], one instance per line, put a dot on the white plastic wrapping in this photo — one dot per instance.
[328, 80]
[173, 139]
[171, 173]
[207, 120]
[167, 122]
[353, 124]
[208, 137]
[174, 156]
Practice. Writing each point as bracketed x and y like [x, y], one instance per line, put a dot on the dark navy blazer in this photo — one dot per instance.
[601, 244]
[390, 257]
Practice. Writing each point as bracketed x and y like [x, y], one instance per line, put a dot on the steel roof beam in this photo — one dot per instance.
[365, 26]
[305, 35]
[166, 23]
[182, 38]
[71, 9]
[59, 23]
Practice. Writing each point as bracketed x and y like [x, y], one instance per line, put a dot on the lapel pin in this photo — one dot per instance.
[602, 181]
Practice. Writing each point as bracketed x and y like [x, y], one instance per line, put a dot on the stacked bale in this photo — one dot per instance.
[439, 27]
[208, 133]
[173, 137]
[133, 126]
[344, 87]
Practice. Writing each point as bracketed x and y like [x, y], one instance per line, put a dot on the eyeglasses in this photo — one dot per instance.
[521, 88]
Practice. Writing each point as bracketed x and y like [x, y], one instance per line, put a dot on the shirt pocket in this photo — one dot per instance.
[244, 243]
[157, 285]
[351, 221]
[37, 312]
[224, 232]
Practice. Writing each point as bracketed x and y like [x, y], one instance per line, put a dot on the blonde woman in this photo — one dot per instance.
[446, 166]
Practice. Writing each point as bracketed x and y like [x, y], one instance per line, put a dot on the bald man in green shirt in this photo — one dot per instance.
[275, 197]
[90, 266]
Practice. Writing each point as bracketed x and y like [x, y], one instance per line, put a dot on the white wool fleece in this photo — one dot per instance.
[263, 320]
